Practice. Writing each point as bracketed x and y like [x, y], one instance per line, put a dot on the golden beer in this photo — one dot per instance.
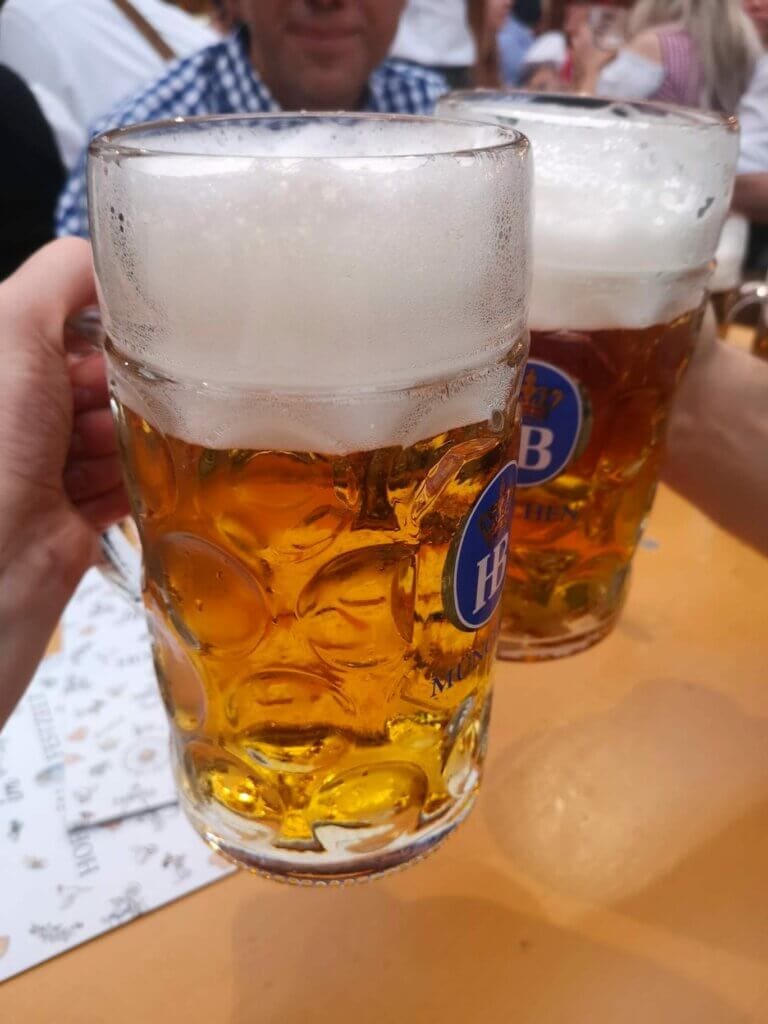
[630, 199]
[311, 672]
[573, 537]
[319, 428]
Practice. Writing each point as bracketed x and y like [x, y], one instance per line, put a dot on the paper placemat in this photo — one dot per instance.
[59, 888]
[114, 733]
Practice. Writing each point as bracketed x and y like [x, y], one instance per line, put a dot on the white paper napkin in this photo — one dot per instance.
[115, 733]
[59, 888]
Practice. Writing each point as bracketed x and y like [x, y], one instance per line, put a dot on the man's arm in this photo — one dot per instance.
[750, 196]
[717, 443]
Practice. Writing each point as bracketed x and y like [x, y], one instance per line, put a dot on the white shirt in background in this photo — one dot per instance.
[88, 55]
[629, 76]
[435, 33]
[548, 48]
[66, 130]
[753, 119]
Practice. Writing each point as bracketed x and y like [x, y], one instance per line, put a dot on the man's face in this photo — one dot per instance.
[318, 54]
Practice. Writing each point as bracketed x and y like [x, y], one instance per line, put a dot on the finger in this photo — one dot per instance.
[86, 479]
[84, 331]
[44, 291]
[93, 435]
[105, 510]
[89, 383]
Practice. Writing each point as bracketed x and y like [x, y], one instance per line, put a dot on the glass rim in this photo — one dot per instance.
[685, 118]
[112, 143]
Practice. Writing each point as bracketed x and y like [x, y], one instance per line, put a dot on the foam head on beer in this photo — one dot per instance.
[287, 254]
[629, 203]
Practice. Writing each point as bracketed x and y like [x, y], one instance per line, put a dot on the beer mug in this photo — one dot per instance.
[629, 202]
[315, 335]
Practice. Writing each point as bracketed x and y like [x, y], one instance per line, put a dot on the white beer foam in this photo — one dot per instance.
[296, 273]
[309, 260]
[223, 418]
[629, 204]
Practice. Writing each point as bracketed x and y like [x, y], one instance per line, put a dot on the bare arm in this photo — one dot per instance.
[589, 60]
[60, 475]
[480, 17]
[718, 438]
[750, 196]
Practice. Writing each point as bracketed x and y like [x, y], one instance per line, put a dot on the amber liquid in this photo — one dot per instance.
[573, 538]
[321, 700]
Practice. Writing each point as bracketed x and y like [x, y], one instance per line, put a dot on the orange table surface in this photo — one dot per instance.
[614, 870]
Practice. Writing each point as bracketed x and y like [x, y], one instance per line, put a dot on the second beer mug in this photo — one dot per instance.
[316, 334]
[629, 202]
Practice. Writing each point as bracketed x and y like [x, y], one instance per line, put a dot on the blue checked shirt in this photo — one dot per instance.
[221, 80]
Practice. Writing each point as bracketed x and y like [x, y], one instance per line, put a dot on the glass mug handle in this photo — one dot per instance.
[84, 333]
[751, 293]
[122, 559]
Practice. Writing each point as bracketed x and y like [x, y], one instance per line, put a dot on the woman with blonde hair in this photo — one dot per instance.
[698, 53]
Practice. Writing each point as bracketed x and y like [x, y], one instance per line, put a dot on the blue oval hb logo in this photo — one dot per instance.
[552, 418]
[477, 564]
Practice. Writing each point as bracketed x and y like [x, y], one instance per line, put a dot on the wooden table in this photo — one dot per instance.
[614, 871]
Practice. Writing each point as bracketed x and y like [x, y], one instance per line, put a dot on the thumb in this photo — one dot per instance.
[37, 299]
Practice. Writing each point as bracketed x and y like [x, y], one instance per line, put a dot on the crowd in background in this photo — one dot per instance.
[70, 67]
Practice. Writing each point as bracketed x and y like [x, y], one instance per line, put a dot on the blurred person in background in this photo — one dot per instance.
[281, 55]
[545, 67]
[758, 12]
[436, 34]
[515, 38]
[486, 18]
[88, 54]
[750, 194]
[697, 53]
[547, 63]
[31, 173]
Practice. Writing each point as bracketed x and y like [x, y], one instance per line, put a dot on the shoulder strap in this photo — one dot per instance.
[147, 31]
